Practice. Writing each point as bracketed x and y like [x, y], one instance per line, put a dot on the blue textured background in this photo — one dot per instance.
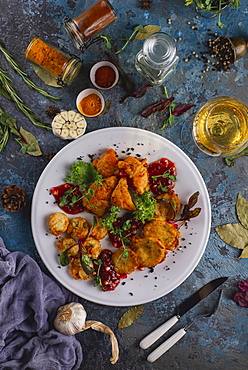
[220, 342]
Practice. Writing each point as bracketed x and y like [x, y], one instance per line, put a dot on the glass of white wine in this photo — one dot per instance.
[220, 127]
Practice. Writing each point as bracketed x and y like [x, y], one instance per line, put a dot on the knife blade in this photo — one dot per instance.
[184, 307]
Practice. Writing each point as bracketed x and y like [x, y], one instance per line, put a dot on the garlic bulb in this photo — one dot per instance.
[69, 125]
[70, 318]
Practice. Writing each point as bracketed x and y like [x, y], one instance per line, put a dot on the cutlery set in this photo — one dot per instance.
[184, 307]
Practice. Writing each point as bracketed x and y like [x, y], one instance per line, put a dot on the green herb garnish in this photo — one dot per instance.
[64, 258]
[83, 174]
[146, 206]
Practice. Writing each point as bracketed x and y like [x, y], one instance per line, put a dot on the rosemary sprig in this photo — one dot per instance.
[5, 81]
[17, 68]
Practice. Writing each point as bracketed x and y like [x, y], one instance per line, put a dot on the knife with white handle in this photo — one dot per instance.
[166, 345]
[154, 335]
[184, 307]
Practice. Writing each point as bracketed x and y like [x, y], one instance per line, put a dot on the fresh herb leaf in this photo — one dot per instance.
[146, 206]
[136, 29]
[108, 221]
[83, 174]
[181, 109]
[188, 213]
[161, 106]
[64, 258]
[137, 93]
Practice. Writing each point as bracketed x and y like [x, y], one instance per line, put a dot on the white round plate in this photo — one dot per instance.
[141, 286]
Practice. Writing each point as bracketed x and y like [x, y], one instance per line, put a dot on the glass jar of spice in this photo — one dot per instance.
[89, 23]
[158, 58]
[52, 60]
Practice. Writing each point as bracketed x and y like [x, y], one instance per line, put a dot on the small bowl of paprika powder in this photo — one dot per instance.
[104, 75]
[90, 102]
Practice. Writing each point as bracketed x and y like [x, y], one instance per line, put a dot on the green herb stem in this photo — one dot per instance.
[7, 86]
[136, 30]
[17, 68]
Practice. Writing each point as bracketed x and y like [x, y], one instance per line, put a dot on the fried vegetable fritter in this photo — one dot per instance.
[164, 231]
[99, 231]
[100, 200]
[137, 171]
[121, 196]
[76, 270]
[65, 243]
[78, 227]
[125, 260]
[58, 223]
[149, 250]
[106, 165]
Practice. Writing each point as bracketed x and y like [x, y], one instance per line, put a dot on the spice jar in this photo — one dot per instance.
[158, 58]
[89, 23]
[104, 75]
[51, 59]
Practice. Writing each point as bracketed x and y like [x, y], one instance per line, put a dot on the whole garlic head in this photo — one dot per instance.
[70, 318]
[69, 125]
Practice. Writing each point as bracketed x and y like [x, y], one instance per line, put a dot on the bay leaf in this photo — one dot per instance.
[31, 144]
[147, 31]
[242, 210]
[108, 104]
[233, 234]
[130, 316]
[244, 253]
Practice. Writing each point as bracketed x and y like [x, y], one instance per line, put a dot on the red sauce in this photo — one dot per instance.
[109, 277]
[59, 191]
[161, 167]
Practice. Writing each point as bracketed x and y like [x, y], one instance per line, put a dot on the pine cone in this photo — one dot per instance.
[13, 198]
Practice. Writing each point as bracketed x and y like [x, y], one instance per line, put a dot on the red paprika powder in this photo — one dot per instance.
[105, 76]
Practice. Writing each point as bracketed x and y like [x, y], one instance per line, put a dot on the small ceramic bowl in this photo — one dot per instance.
[96, 68]
[83, 94]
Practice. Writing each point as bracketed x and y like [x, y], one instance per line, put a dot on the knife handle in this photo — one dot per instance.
[156, 334]
[166, 345]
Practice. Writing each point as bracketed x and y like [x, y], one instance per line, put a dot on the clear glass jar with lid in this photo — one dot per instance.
[158, 58]
[86, 25]
[58, 64]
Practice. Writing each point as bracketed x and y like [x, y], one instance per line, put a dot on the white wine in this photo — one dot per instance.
[220, 127]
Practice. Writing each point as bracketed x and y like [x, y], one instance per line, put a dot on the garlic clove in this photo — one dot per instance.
[64, 114]
[69, 125]
[71, 114]
[78, 117]
[70, 318]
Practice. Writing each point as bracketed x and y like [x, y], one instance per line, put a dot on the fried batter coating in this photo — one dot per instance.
[168, 205]
[78, 227]
[149, 250]
[76, 270]
[164, 231]
[58, 223]
[99, 231]
[125, 261]
[92, 247]
[100, 200]
[106, 165]
[65, 243]
[121, 196]
[136, 169]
